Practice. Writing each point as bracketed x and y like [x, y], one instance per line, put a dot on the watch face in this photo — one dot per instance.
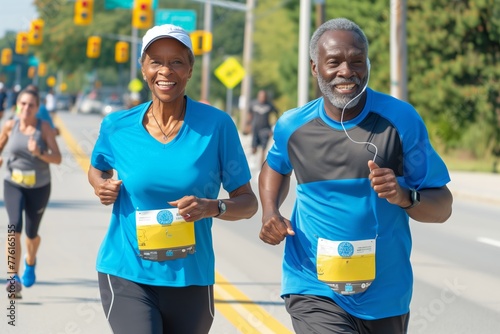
[415, 196]
[222, 207]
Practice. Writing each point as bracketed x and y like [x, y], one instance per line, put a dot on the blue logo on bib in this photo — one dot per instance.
[345, 249]
[165, 217]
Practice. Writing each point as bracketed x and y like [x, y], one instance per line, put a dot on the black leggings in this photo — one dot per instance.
[139, 308]
[32, 200]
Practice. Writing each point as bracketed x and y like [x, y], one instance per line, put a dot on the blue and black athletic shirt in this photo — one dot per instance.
[334, 199]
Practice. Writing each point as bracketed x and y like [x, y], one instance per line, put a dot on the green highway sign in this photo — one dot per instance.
[185, 19]
[124, 4]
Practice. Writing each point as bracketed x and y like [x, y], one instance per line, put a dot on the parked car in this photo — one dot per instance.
[89, 103]
[63, 102]
[113, 104]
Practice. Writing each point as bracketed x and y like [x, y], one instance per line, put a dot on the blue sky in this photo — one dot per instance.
[16, 15]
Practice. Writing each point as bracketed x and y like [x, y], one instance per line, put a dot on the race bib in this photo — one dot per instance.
[348, 267]
[164, 235]
[26, 177]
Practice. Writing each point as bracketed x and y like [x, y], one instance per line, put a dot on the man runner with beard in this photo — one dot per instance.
[364, 165]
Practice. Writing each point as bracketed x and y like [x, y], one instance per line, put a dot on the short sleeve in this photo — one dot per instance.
[102, 155]
[235, 170]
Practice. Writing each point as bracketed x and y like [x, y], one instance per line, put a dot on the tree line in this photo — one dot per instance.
[453, 51]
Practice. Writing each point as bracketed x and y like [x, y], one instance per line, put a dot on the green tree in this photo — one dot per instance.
[453, 72]
[453, 52]
[454, 48]
[275, 54]
[65, 44]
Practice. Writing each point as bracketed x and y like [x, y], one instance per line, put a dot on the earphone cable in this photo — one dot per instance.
[345, 130]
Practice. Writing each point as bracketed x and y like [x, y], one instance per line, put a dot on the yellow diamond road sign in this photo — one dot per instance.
[230, 72]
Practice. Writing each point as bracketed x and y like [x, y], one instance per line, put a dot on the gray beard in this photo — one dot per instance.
[338, 100]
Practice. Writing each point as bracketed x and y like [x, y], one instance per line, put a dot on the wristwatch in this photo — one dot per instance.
[414, 199]
[222, 208]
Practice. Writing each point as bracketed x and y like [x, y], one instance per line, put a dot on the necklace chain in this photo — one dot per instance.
[167, 135]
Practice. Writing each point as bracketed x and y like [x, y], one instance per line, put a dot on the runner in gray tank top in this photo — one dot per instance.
[32, 147]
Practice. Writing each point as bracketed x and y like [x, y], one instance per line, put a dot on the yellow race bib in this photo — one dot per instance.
[26, 177]
[348, 267]
[164, 235]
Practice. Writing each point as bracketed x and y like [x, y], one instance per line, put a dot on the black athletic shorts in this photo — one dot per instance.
[136, 308]
[261, 137]
[321, 315]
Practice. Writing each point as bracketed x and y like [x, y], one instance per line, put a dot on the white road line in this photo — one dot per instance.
[489, 241]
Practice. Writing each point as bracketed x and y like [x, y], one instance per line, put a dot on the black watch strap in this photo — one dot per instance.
[414, 199]
[222, 208]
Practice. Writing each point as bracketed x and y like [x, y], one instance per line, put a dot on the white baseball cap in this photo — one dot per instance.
[166, 31]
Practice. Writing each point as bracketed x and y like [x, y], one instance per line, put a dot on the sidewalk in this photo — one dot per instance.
[484, 187]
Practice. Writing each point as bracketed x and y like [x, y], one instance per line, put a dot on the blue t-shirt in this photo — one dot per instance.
[205, 154]
[334, 199]
[44, 114]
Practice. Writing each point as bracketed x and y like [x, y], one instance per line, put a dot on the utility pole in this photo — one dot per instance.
[247, 47]
[304, 36]
[246, 85]
[205, 73]
[60, 79]
[320, 19]
[398, 50]
[320, 12]
[133, 54]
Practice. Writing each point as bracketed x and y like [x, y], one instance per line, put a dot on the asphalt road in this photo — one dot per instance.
[455, 264]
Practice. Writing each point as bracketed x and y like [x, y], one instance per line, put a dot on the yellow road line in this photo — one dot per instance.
[237, 308]
[247, 317]
[81, 157]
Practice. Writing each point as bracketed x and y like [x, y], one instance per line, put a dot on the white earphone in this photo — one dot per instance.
[368, 65]
[343, 110]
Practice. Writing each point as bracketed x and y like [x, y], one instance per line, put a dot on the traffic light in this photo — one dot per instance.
[51, 81]
[36, 32]
[6, 56]
[42, 69]
[31, 72]
[93, 47]
[142, 14]
[22, 43]
[121, 52]
[201, 41]
[83, 12]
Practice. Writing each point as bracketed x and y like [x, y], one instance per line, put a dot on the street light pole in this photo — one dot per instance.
[246, 85]
[133, 54]
[398, 50]
[247, 51]
[205, 73]
[303, 67]
[320, 19]
[247, 48]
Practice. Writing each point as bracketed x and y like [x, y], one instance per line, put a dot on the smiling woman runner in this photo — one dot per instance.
[156, 265]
